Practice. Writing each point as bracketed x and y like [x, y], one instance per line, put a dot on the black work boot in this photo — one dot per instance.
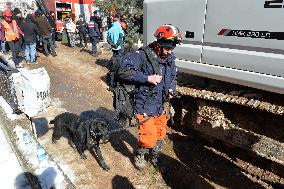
[155, 153]
[139, 159]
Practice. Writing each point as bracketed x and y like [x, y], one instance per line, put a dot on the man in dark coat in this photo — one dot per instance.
[30, 31]
[51, 19]
[17, 16]
[45, 31]
[94, 34]
[83, 30]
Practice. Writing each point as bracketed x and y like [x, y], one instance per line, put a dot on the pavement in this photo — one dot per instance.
[11, 173]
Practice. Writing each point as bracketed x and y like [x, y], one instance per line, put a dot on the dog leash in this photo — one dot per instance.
[132, 124]
[93, 134]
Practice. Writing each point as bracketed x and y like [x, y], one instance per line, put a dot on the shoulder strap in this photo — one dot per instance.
[152, 58]
[5, 24]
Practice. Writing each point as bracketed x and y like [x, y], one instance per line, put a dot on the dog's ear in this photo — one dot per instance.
[52, 121]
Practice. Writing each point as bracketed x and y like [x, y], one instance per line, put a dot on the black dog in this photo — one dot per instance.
[82, 133]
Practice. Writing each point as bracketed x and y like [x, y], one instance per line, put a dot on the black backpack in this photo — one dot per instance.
[124, 93]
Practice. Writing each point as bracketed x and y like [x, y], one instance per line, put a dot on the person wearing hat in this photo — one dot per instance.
[154, 76]
[10, 32]
[94, 34]
[98, 20]
[17, 16]
[83, 30]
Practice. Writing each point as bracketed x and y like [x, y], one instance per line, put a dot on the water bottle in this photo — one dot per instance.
[41, 156]
[26, 139]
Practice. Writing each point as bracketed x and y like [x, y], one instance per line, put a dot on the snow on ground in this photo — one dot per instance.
[11, 173]
[45, 172]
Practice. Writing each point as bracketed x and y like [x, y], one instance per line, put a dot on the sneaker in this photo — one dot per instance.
[140, 162]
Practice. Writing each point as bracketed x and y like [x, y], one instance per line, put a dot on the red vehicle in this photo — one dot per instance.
[62, 8]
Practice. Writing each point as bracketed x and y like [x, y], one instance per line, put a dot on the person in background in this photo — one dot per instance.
[45, 31]
[98, 20]
[94, 34]
[39, 44]
[30, 35]
[2, 43]
[83, 30]
[115, 37]
[65, 39]
[52, 23]
[10, 32]
[17, 16]
[71, 32]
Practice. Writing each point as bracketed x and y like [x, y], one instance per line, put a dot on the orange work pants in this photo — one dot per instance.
[152, 130]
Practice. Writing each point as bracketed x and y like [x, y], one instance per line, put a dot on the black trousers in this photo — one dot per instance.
[95, 40]
[83, 37]
[15, 48]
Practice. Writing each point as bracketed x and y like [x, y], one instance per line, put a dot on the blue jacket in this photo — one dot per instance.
[114, 34]
[149, 99]
[94, 29]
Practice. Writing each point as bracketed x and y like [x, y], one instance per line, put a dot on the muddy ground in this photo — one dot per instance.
[78, 85]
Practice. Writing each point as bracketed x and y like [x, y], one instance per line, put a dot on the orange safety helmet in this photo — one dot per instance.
[7, 13]
[168, 34]
[123, 25]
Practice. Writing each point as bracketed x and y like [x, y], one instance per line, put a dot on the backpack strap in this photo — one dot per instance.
[152, 58]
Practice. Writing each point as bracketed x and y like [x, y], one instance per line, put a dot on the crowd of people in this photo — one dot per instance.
[37, 32]
[25, 35]
[150, 70]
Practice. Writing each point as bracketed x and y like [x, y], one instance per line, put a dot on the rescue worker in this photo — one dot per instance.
[152, 90]
[11, 34]
[94, 34]
[83, 30]
[115, 37]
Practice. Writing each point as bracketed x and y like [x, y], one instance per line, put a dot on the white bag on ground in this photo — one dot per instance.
[36, 90]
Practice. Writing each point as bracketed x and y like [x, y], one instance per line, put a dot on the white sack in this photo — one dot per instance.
[36, 90]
